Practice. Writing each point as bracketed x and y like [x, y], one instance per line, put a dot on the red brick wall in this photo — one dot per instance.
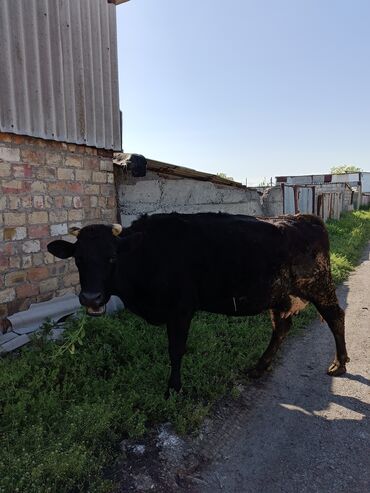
[46, 187]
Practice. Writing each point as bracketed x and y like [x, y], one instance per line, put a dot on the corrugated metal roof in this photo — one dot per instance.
[178, 171]
[317, 179]
[59, 75]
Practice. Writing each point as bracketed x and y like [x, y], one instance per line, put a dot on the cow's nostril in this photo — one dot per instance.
[91, 299]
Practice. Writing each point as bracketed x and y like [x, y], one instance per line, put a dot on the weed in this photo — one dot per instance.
[73, 337]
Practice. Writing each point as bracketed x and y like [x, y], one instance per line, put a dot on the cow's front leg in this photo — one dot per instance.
[177, 331]
[280, 328]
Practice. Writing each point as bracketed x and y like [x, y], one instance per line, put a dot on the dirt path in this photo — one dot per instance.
[296, 430]
[299, 430]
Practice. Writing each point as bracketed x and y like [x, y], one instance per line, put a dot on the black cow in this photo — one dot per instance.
[165, 267]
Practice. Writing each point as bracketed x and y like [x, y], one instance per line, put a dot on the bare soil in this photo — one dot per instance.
[294, 430]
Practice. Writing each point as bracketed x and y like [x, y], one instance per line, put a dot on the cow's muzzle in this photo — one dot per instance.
[93, 302]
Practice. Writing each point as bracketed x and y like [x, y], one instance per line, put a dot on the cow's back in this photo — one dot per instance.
[221, 255]
[219, 258]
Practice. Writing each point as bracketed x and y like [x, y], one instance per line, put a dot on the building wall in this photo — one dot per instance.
[46, 187]
[158, 194]
[59, 71]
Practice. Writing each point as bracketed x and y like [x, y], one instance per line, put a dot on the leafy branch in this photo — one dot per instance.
[72, 338]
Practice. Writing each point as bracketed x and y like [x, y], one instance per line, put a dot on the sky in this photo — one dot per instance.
[250, 88]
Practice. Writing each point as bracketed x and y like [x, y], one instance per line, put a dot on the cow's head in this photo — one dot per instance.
[95, 253]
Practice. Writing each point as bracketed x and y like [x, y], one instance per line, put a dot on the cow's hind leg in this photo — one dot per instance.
[280, 328]
[334, 317]
[177, 331]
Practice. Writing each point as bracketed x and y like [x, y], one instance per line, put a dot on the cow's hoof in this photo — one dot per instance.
[255, 372]
[336, 369]
[171, 391]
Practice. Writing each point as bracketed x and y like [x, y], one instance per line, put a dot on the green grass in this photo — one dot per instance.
[347, 239]
[63, 415]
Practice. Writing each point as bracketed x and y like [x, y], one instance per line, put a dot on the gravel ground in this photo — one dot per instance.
[295, 430]
[301, 430]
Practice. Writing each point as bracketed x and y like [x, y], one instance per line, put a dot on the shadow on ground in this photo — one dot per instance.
[296, 429]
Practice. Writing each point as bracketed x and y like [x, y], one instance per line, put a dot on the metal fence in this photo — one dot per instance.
[318, 199]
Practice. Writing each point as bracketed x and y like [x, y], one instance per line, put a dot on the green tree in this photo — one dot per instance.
[264, 183]
[345, 168]
[223, 175]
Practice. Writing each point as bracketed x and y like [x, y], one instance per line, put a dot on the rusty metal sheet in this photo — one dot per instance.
[365, 200]
[346, 178]
[299, 180]
[298, 199]
[365, 182]
[330, 205]
[305, 200]
[289, 201]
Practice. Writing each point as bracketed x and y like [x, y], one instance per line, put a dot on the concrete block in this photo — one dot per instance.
[147, 191]
[7, 295]
[176, 192]
[15, 233]
[9, 154]
[232, 195]
[203, 193]
[31, 246]
[14, 218]
[38, 218]
[58, 229]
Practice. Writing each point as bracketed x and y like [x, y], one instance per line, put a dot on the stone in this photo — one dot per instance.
[9, 154]
[18, 233]
[38, 217]
[14, 218]
[31, 246]
[7, 295]
[58, 229]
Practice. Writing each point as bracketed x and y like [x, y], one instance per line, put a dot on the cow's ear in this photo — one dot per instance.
[131, 243]
[61, 248]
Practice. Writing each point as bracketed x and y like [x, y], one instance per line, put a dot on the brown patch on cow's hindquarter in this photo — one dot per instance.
[297, 305]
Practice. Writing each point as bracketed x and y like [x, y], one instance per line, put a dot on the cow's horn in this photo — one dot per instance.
[116, 229]
[74, 231]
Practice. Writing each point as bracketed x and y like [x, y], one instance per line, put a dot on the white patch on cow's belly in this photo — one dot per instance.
[297, 305]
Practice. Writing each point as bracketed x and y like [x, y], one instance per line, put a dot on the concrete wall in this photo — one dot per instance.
[157, 194]
[46, 187]
[272, 201]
